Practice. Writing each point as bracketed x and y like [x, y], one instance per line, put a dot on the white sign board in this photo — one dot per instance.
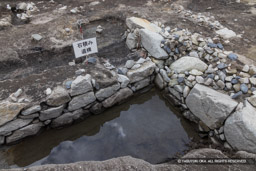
[85, 47]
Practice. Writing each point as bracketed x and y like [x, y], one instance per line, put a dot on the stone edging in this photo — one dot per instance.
[190, 67]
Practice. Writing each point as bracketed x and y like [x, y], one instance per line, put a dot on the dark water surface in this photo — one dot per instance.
[146, 127]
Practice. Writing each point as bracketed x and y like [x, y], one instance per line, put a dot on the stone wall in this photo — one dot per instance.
[209, 85]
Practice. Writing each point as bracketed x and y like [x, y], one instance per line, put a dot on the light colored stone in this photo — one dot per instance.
[81, 101]
[31, 110]
[252, 100]
[81, 85]
[131, 41]
[136, 66]
[246, 68]
[51, 113]
[37, 37]
[186, 91]
[14, 125]
[174, 93]
[191, 78]
[240, 129]
[123, 80]
[165, 75]
[221, 84]
[210, 106]
[8, 111]
[134, 22]
[107, 92]
[252, 70]
[188, 63]
[253, 81]
[141, 84]
[159, 81]
[29, 130]
[195, 72]
[151, 41]
[144, 71]
[118, 97]
[58, 97]
[225, 33]
[129, 64]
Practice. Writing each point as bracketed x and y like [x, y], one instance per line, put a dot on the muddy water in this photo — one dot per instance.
[146, 127]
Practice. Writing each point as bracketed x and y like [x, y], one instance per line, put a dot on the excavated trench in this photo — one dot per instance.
[146, 127]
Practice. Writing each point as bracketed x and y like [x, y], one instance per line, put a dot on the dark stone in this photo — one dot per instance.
[212, 45]
[211, 76]
[222, 66]
[177, 51]
[220, 46]
[97, 109]
[234, 81]
[244, 88]
[237, 95]
[91, 60]
[232, 56]
[180, 80]
[167, 49]
[68, 84]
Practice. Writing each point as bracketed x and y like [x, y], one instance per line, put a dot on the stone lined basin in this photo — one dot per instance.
[146, 127]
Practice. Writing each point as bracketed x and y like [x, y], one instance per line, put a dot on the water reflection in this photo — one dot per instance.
[146, 127]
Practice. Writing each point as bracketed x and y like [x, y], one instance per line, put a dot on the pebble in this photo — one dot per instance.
[129, 64]
[221, 84]
[234, 81]
[48, 91]
[68, 84]
[17, 93]
[186, 91]
[222, 66]
[237, 95]
[212, 45]
[229, 86]
[180, 80]
[208, 81]
[178, 88]
[220, 46]
[194, 54]
[222, 75]
[80, 71]
[199, 79]
[173, 82]
[244, 88]
[191, 78]
[246, 68]
[91, 60]
[37, 37]
[232, 56]
[195, 72]
[99, 29]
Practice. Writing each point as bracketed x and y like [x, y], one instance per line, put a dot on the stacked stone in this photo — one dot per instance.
[76, 100]
[192, 68]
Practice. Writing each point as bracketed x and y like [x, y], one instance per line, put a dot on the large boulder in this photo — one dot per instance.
[8, 111]
[29, 130]
[188, 63]
[118, 97]
[210, 106]
[14, 125]
[107, 92]
[81, 101]
[240, 129]
[58, 97]
[146, 69]
[134, 22]
[151, 41]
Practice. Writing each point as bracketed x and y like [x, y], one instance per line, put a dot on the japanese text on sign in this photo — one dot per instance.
[85, 47]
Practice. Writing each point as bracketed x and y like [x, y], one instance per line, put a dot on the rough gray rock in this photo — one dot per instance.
[2, 139]
[118, 97]
[159, 81]
[68, 118]
[210, 106]
[29, 130]
[240, 129]
[141, 84]
[97, 108]
[128, 163]
[14, 125]
[8, 111]
[131, 41]
[31, 110]
[107, 92]
[81, 101]
[51, 113]
[188, 63]
[151, 41]
[146, 69]
[81, 85]
[31, 116]
[129, 64]
[58, 97]
[123, 80]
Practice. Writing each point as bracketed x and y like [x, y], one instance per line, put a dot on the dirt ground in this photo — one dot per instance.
[43, 64]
